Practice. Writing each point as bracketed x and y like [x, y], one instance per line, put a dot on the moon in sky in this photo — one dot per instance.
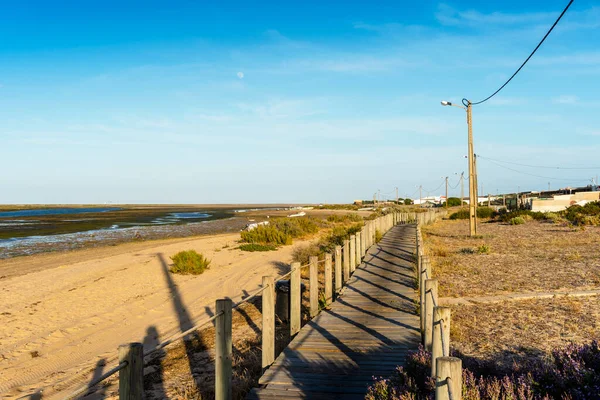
[240, 75]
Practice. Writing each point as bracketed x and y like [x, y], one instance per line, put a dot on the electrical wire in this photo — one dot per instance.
[524, 62]
[534, 166]
[538, 176]
[441, 184]
[457, 183]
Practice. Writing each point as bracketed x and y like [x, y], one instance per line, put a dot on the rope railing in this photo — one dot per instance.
[84, 389]
[359, 244]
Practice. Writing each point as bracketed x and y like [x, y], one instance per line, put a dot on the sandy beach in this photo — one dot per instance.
[64, 312]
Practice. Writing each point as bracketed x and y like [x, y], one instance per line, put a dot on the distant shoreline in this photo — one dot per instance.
[12, 207]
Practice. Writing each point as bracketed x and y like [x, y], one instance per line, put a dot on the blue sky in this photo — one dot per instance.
[229, 102]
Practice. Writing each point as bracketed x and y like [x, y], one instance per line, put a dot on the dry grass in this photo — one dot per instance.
[533, 257]
[537, 256]
[512, 334]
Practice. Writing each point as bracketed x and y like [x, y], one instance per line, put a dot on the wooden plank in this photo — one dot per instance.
[366, 332]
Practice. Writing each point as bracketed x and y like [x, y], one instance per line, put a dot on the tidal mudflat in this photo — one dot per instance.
[27, 231]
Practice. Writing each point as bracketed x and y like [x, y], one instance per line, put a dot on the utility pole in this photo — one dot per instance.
[548, 186]
[468, 107]
[446, 192]
[472, 176]
[503, 200]
[378, 196]
[462, 188]
[396, 195]
[420, 196]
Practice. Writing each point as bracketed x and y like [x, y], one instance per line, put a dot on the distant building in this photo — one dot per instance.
[561, 202]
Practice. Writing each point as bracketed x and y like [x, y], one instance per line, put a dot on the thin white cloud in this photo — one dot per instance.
[566, 99]
[448, 15]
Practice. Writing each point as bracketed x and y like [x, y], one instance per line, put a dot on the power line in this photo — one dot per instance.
[537, 176]
[441, 184]
[525, 62]
[534, 166]
[457, 183]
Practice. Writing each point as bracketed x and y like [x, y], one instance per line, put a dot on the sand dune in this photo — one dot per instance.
[65, 318]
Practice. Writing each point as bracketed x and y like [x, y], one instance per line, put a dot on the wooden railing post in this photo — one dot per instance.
[422, 279]
[295, 299]
[131, 378]
[268, 321]
[363, 241]
[352, 253]
[314, 285]
[223, 345]
[448, 378]
[328, 280]
[346, 261]
[358, 249]
[338, 268]
[431, 291]
[440, 346]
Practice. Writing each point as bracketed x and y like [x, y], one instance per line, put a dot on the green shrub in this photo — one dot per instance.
[588, 214]
[337, 236]
[342, 206]
[482, 212]
[485, 212]
[467, 250]
[378, 236]
[483, 249]
[266, 234]
[460, 214]
[345, 218]
[189, 262]
[295, 227]
[516, 221]
[302, 254]
[454, 201]
[525, 214]
[550, 216]
[408, 202]
[257, 247]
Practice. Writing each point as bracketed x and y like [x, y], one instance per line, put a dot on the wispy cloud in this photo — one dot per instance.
[565, 99]
[448, 15]
[573, 20]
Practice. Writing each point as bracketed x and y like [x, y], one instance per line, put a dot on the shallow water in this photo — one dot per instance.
[55, 211]
[102, 237]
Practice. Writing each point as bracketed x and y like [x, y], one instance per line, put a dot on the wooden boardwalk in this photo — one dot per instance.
[366, 332]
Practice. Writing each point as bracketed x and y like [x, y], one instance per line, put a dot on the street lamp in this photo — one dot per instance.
[472, 177]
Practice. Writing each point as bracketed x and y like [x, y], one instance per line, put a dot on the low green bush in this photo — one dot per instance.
[588, 214]
[485, 212]
[378, 236]
[296, 227]
[189, 262]
[345, 218]
[482, 212]
[337, 236]
[454, 201]
[483, 249]
[302, 254]
[266, 234]
[525, 214]
[460, 214]
[516, 221]
[257, 247]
